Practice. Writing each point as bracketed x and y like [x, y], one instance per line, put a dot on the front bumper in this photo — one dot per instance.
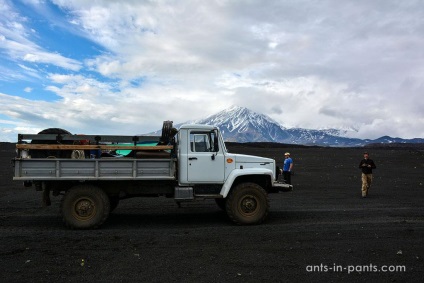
[281, 187]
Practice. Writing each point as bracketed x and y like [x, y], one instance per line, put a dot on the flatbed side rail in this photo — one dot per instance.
[51, 169]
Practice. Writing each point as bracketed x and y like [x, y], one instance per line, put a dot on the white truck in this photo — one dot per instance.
[185, 164]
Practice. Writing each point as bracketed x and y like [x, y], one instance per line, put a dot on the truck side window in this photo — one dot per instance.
[200, 142]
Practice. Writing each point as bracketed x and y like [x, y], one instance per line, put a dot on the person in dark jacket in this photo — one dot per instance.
[366, 165]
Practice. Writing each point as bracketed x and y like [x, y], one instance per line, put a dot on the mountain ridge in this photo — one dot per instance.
[240, 124]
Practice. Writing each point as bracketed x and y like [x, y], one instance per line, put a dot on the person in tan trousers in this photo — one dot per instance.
[366, 165]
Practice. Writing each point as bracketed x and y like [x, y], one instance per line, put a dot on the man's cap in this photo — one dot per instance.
[366, 152]
[287, 153]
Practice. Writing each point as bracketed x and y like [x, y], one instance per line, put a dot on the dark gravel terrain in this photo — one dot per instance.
[323, 231]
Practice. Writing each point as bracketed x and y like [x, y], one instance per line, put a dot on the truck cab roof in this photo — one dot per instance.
[198, 127]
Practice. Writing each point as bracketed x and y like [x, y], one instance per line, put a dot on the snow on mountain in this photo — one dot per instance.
[240, 124]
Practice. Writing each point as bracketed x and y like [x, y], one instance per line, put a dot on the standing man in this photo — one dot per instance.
[366, 166]
[288, 166]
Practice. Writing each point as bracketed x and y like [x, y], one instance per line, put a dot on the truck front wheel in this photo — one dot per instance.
[247, 204]
[85, 207]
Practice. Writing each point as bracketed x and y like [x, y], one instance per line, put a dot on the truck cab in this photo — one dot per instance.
[204, 159]
[201, 155]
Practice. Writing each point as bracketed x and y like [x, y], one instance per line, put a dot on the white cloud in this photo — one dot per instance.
[15, 36]
[307, 64]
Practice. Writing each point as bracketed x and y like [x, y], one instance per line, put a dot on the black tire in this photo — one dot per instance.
[247, 204]
[85, 207]
[51, 153]
[221, 203]
[114, 202]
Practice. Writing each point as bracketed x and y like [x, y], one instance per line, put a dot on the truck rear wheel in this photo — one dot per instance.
[85, 207]
[247, 204]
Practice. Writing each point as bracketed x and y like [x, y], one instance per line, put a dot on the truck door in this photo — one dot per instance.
[205, 158]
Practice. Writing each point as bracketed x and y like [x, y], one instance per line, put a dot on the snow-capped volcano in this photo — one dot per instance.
[240, 124]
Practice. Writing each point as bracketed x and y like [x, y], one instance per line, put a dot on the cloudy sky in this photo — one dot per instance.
[122, 67]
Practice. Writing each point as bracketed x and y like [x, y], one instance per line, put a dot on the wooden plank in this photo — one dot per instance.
[92, 138]
[88, 147]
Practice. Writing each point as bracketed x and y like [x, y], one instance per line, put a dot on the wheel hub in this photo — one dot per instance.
[84, 209]
[249, 204]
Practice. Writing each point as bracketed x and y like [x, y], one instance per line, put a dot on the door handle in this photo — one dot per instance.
[192, 158]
